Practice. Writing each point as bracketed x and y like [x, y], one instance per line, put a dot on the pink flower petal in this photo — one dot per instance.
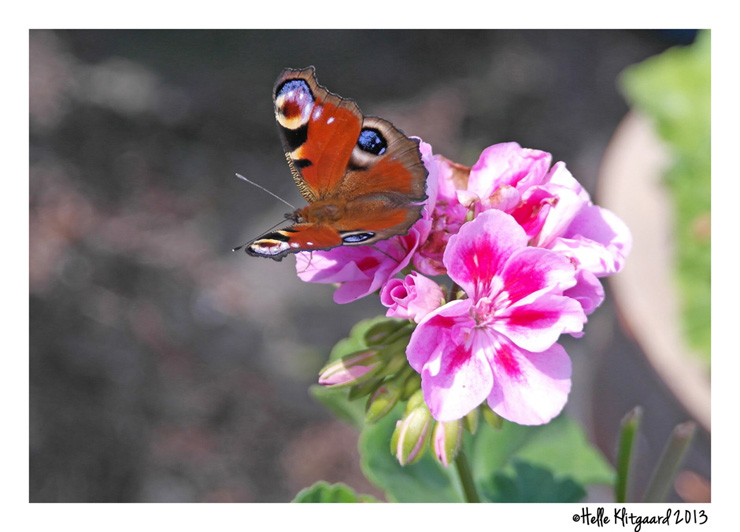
[587, 291]
[477, 253]
[361, 270]
[507, 164]
[537, 325]
[561, 176]
[530, 271]
[560, 215]
[530, 388]
[602, 227]
[435, 330]
[460, 382]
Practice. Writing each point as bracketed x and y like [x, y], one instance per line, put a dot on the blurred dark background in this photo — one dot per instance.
[164, 367]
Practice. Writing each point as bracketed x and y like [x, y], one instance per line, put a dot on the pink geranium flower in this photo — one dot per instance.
[554, 210]
[499, 344]
[503, 173]
[412, 297]
[444, 211]
[361, 270]
[593, 238]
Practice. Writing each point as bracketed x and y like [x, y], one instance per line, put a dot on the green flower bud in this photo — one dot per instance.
[415, 401]
[366, 387]
[446, 440]
[394, 364]
[382, 401]
[352, 369]
[380, 332]
[411, 436]
[470, 421]
[411, 385]
[492, 418]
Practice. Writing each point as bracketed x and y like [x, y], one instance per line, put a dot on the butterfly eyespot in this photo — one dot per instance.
[299, 88]
[294, 103]
[372, 141]
[356, 238]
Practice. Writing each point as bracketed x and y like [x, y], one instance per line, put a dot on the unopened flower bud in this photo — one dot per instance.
[351, 369]
[492, 418]
[394, 363]
[470, 421]
[411, 436]
[416, 400]
[380, 332]
[411, 385]
[446, 440]
[382, 401]
[365, 387]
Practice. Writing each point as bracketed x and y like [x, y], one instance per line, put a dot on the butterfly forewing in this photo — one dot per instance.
[318, 130]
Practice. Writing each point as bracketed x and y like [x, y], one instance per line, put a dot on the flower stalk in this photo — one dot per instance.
[669, 462]
[627, 437]
[466, 477]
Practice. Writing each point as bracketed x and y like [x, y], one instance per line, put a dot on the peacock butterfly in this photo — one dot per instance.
[363, 179]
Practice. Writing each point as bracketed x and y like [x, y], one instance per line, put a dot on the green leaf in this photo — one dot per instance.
[559, 447]
[324, 492]
[531, 483]
[423, 481]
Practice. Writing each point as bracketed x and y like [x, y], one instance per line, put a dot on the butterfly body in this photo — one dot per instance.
[362, 178]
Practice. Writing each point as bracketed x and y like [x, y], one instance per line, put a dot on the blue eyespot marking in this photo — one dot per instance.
[298, 85]
[372, 141]
[357, 238]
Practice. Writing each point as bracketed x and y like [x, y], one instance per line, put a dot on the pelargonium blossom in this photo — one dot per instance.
[361, 270]
[412, 297]
[524, 242]
[499, 344]
[548, 202]
[444, 212]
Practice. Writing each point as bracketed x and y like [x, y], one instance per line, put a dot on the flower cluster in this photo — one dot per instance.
[523, 248]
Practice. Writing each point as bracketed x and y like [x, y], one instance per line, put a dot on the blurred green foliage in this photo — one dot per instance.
[331, 493]
[674, 90]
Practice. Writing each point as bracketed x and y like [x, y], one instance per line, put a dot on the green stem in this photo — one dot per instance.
[466, 477]
[630, 426]
[669, 462]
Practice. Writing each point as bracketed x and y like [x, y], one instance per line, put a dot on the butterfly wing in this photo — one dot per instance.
[298, 237]
[363, 178]
[384, 187]
[318, 130]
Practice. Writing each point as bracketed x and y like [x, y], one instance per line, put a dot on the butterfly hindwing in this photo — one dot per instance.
[298, 237]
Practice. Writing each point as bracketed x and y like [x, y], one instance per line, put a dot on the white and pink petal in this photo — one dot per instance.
[530, 388]
[536, 325]
[461, 381]
[476, 255]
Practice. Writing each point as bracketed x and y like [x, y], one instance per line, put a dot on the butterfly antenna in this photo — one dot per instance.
[264, 189]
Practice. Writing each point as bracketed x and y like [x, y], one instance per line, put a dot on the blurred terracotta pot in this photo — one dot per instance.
[630, 184]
